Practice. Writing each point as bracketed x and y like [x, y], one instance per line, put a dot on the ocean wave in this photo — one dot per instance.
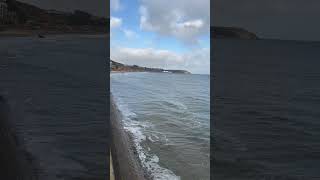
[175, 104]
[150, 162]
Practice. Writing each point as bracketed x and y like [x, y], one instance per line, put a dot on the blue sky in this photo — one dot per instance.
[149, 33]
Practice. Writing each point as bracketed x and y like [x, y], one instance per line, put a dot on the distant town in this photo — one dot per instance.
[22, 16]
[7, 16]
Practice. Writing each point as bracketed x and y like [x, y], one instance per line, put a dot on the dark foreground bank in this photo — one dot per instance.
[126, 162]
[15, 161]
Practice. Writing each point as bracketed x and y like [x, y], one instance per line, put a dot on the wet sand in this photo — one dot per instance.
[17, 33]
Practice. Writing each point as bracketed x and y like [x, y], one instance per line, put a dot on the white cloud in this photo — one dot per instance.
[192, 24]
[115, 22]
[182, 19]
[130, 34]
[115, 5]
[197, 61]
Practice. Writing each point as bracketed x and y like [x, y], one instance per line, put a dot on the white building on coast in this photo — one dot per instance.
[7, 16]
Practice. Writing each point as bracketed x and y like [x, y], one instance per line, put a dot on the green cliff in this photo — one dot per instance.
[119, 67]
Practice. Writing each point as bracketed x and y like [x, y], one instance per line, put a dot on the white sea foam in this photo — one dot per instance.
[150, 162]
[151, 139]
[177, 104]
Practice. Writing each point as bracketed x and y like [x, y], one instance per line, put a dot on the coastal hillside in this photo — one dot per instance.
[23, 16]
[119, 67]
[232, 33]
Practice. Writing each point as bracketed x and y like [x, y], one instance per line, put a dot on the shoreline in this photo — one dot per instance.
[131, 72]
[126, 163]
[35, 33]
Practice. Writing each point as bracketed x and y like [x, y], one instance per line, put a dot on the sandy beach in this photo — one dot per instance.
[17, 33]
[35, 33]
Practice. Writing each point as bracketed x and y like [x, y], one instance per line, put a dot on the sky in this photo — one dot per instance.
[96, 7]
[161, 33]
[277, 19]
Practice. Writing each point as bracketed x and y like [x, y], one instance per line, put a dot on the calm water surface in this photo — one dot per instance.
[266, 101]
[57, 89]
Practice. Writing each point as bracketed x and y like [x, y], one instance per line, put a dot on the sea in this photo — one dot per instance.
[266, 110]
[56, 88]
[168, 116]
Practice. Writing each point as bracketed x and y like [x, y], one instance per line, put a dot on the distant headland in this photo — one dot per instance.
[232, 33]
[18, 18]
[119, 67]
